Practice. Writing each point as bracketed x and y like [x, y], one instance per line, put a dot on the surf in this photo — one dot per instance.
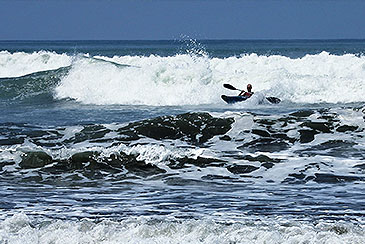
[195, 80]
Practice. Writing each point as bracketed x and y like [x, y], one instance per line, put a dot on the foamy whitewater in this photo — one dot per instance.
[130, 142]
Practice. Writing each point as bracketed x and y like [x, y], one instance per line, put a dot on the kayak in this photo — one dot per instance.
[236, 99]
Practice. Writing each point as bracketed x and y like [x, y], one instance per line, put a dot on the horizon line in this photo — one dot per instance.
[208, 39]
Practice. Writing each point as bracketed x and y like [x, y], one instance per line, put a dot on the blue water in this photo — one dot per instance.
[132, 137]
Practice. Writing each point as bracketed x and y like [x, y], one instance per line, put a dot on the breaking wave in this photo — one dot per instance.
[21, 229]
[193, 79]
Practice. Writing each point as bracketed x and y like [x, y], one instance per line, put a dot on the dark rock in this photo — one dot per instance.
[262, 133]
[242, 169]
[360, 166]
[284, 137]
[331, 179]
[142, 169]
[192, 127]
[2, 164]
[216, 177]
[307, 135]
[225, 138]
[265, 121]
[295, 178]
[317, 126]
[302, 113]
[261, 158]
[265, 145]
[300, 176]
[35, 160]
[89, 132]
[345, 128]
[267, 165]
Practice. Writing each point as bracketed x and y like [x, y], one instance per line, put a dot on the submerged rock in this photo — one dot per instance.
[192, 127]
[318, 126]
[331, 178]
[265, 145]
[307, 135]
[345, 128]
[35, 160]
[242, 169]
[302, 113]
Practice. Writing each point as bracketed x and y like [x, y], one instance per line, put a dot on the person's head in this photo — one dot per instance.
[249, 87]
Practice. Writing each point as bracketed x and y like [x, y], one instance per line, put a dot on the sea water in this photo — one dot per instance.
[130, 142]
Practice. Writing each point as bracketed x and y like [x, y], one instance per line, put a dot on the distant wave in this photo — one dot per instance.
[20, 63]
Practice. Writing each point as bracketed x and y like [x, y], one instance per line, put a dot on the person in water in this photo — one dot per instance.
[248, 93]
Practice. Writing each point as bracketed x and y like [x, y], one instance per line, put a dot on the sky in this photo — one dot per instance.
[174, 19]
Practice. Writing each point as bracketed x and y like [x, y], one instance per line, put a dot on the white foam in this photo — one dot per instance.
[194, 80]
[20, 63]
[19, 229]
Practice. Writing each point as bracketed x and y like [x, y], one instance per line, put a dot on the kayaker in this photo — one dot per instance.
[248, 93]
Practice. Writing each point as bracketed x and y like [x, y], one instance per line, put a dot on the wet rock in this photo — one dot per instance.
[265, 145]
[317, 126]
[89, 132]
[335, 148]
[267, 165]
[192, 127]
[345, 128]
[225, 138]
[35, 160]
[262, 158]
[142, 169]
[265, 121]
[262, 133]
[83, 159]
[307, 135]
[216, 177]
[295, 178]
[284, 137]
[360, 166]
[242, 169]
[302, 113]
[332, 179]
[300, 176]
[2, 164]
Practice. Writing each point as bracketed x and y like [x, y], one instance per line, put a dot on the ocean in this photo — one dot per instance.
[130, 142]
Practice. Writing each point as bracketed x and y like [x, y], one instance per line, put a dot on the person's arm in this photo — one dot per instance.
[242, 93]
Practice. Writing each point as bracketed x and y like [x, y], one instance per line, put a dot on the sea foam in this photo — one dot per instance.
[19, 229]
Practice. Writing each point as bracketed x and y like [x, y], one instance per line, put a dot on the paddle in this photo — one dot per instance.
[270, 99]
[229, 86]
